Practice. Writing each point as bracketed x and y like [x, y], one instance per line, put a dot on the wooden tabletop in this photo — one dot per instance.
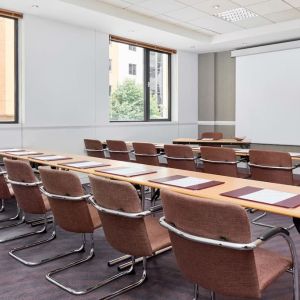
[210, 142]
[213, 193]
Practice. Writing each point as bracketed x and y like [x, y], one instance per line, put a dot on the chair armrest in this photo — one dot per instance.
[156, 208]
[272, 233]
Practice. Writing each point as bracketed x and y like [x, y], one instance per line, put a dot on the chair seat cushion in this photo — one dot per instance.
[270, 265]
[46, 203]
[95, 216]
[243, 173]
[158, 236]
[297, 179]
[11, 191]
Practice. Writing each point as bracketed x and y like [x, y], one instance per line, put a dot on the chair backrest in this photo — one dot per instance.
[271, 166]
[125, 234]
[74, 216]
[118, 150]
[29, 198]
[225, 271]
[180, 157]
[146, 153]
[220, 161]
[94, 148]
[4, 190]
[211, 135]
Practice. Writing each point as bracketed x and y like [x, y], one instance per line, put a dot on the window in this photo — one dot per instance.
[132, 48]
[140, 84]
[8, 70]
[132, 69]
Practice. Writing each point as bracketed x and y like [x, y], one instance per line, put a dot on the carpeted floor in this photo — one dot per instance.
[164, 279]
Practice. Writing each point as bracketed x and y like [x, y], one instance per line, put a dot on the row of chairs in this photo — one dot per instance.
[211, 240]
[271, 166]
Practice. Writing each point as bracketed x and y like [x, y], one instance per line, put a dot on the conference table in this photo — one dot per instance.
[210, 142]
[240, 152]
[146, 180]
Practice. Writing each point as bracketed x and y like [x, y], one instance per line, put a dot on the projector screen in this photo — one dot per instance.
[268, 97]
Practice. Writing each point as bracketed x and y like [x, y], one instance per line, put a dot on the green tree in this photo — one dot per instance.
[127, 103]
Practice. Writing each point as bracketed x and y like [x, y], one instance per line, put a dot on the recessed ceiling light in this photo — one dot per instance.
[236, 14]
[35, 6]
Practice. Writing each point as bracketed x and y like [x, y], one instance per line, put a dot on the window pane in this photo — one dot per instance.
[159, 85]
[126, 79]
[7, 70]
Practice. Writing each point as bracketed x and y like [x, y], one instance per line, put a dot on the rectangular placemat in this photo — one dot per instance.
[51, 157]
[265, 196]
[127, 171]
[191, 183]
[85, 164]
[24, 153]
[12, 150]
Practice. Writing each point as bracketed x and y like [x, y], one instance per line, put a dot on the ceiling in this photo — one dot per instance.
[199, 14]
[181, 24]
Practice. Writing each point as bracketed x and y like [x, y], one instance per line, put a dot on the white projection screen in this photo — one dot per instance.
[268, 97]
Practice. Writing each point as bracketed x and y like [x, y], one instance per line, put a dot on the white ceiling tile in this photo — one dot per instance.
[244, 3]
[142, 10]
[209, 6]
[197, 28]
[253, 22]
[285, 15]
[295, 3]
[135, 1]
[186, 14]
[215, 24]
[269, 7]
[190, 2]
[162, 6]
[118, 3]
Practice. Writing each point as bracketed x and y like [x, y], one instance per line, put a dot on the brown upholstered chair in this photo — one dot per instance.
[72, 213]
[118, 150]
[127, 227]
[181, 157]
[213, 248]
[94, 148]
[271, 166]
[220, 161]
[146, 153]
[7, 194]
[211, 135]
[26, 190]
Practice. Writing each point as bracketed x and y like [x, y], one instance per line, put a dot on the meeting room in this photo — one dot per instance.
[149, 149]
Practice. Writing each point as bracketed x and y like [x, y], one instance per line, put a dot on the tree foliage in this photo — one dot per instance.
[127, 103]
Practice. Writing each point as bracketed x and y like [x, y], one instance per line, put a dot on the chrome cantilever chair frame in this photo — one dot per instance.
[23, 220]
[256, 219]
[44, 260]
[18, 216]
[82, 248]
[275, 232]
[133, 260]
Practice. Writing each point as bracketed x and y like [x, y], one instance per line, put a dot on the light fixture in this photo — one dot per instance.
[235, 15]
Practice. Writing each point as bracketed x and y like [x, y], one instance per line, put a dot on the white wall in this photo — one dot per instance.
[64, 88]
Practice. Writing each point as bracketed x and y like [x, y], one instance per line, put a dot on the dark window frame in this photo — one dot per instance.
[147, 117]
[16, 83]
